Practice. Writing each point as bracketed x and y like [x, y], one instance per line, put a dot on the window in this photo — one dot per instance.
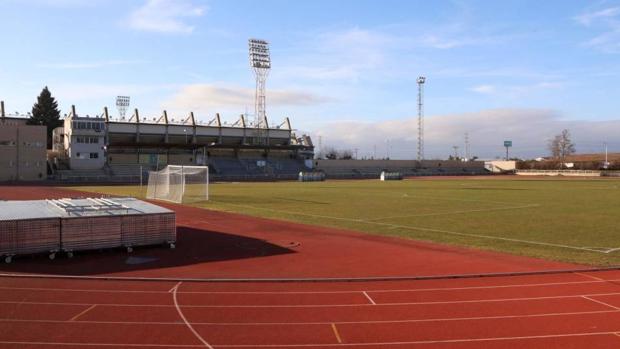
[94, 155]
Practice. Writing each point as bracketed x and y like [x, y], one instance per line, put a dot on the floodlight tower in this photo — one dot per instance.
[122, 103]
[260, 61]
[421, 80]
[467, 146]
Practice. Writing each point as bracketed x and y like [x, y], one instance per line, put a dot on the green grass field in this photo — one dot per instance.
[566, 220]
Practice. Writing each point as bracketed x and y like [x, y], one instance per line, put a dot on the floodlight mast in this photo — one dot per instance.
[260, 61]
[122, 103]
[421, 80]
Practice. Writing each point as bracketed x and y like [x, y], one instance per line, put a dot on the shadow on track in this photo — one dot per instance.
[194, 246]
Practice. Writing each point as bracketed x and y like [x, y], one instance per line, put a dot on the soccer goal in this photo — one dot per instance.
[180, 184]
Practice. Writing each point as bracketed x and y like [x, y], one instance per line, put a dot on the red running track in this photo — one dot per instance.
[557, 310]
[569, 310]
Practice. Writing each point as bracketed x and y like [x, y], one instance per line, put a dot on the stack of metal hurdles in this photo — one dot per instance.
[69, 225]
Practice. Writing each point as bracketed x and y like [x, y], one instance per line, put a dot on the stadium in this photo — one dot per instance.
[124, 230]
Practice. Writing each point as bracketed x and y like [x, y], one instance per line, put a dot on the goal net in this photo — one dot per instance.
[180, 184]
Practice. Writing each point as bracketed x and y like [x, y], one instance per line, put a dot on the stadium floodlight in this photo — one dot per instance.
[122, 104]
[260, 61]
[421, 80]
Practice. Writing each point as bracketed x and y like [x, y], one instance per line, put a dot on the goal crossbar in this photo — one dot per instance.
[179, 183]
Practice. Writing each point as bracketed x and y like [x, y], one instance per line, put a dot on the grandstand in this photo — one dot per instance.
[408, 168]
[107, 149]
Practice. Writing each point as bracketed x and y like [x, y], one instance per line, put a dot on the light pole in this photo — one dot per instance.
[606, 162]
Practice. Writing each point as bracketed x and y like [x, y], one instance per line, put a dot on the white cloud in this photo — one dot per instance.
[588, 17]
[607, 40]
[165, 16]
[89, 65]
[450, 40]
[529, 129]
[211, 98]
[484, 89]
[339, 55]
[516, 91]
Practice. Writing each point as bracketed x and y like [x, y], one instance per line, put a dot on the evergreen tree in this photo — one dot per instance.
[45, 112]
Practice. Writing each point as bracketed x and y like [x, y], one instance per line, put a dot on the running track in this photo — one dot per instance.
[556, 310]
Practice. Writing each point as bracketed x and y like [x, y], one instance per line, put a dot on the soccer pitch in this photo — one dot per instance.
[567, 220]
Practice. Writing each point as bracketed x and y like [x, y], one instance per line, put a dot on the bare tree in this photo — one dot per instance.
[331, 153]
[346, 154]
[561, 146]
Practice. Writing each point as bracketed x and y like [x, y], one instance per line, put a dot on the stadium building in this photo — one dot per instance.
[91, 147]
[22, 149]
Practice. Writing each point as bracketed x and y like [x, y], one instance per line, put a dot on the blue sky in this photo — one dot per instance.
[342, 70]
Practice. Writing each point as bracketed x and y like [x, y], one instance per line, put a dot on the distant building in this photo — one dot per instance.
[83, 140]
[22, 151]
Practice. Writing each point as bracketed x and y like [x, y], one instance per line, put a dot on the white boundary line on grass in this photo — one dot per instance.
[426, 229]
[456, 212]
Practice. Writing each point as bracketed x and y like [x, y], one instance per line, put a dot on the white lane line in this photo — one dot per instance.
[492, 300]
[592, 277]
[408, 227]
[601, 302]
[469, 318]
[456, 212]
[189, 325]
[175, 287]
[594, 281]
[438, 341]
[83, 312]
[335, 329]
[82, 344]
[369, 298]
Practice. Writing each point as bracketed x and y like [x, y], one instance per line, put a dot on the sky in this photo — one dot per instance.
[343, 71]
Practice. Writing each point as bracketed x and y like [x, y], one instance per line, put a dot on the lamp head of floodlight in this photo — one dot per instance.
[122, 101]
[421, 80]
[259, 54]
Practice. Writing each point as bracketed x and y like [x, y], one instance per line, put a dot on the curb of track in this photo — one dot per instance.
[308, 280]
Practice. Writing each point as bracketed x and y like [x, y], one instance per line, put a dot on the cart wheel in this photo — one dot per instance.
[172, 246]
[129, 249]
[8, 259]
[52, 256]
[70, 254]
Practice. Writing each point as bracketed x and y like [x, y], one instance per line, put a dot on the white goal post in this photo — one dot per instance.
[180, 184]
